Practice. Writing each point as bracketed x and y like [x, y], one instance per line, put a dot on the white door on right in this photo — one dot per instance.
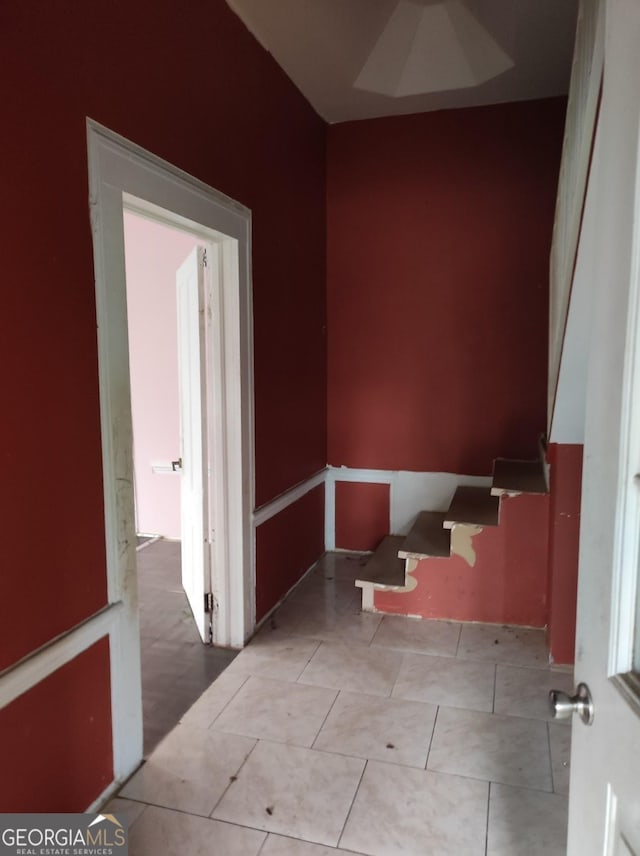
[604, 804]
[194, 493]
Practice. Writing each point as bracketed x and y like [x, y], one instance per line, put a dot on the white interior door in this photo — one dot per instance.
[196, 551]
[604, 808]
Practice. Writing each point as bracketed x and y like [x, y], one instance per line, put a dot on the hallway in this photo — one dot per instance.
[375, 735]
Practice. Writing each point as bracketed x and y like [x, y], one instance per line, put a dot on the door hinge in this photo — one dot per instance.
[204, 259]
[208, 602]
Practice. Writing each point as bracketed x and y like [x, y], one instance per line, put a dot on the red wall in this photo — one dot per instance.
[439, 229]
[564, 540]
[287, 545]
[226, 114]
[189, 83]
[506, 585]
[55, 740]
[362, 515]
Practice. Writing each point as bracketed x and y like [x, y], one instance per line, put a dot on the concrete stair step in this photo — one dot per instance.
[427, 537]
[515, 477]
[384, 568]
[474, 506]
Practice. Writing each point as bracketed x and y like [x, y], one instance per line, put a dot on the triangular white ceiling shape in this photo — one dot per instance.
[431, 47]
[358, 59]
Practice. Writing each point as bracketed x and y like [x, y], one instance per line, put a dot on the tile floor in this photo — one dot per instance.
[176, 667]
[336, 732]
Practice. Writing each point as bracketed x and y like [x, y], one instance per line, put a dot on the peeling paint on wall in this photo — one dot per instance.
[410, 581]
[462, 535]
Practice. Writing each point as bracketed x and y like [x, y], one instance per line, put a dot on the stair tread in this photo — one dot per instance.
[427, 537]
[474, 506]
[518, 477]
[384, 567]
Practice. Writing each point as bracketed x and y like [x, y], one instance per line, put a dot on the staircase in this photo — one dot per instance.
[441, 535]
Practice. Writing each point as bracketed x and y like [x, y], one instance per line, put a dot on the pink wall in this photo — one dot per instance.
[153, 254]
[439, 229]
[226, 114]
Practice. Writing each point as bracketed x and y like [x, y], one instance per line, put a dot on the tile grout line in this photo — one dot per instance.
[433, 732]
[333, 703]
[495, 686]
[232, 780]
[459, 640]
[553, 781]
[395, 680]
[302, 671]
[264, 842]
[220, 712]
[486, 835]
[355, 794]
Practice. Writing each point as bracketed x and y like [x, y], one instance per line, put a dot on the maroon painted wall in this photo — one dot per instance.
[55, 740]
[362, 515]
[565, 463]
[226, 114]
[189, 83]
[286, 546]
[439, 229]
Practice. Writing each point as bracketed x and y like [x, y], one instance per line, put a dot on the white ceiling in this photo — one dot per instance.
[357, 59]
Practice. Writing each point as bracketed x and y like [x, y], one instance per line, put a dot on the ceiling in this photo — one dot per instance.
[358, 59]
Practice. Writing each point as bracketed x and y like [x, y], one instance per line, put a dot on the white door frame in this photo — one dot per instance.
[121, 173]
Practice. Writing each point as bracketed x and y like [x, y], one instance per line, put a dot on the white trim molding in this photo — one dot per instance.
[284, 500]
[409, 493]
[121, 173]
[29, 672]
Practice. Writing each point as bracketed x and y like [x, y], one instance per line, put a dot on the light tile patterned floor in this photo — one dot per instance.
[176, 666]
[340, 733]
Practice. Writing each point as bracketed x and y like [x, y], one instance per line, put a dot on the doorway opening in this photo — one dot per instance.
[122, 177]
[176, 666]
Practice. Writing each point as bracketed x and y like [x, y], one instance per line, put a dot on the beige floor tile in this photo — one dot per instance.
[277, 710]
[292, 791]
[446, 681]
[421, 636]
[213, 701]
[341, 594]
[414, 812]
[560, 742]
[278, 845]
[321, 620]
[128, 810]
[274, 654]
[525, 692]
[506, 749]
[379, 728]
[353, 667]
[526, 823]
[189, 770]
[516, 645]
[340, 566]
[161, 832]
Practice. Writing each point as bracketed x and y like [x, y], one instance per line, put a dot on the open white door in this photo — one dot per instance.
[196, 550]
[604, 807]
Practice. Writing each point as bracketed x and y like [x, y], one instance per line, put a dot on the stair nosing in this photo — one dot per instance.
[361, 581]
[453, 518]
